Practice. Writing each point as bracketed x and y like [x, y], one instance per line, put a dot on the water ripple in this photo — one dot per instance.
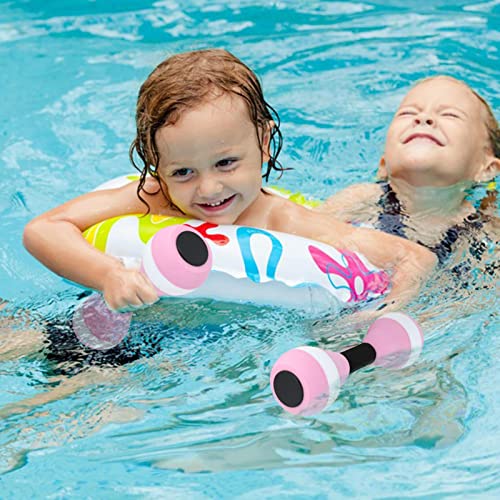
[335, 71]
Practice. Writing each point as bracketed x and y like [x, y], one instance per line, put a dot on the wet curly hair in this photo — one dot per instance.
[184, 81]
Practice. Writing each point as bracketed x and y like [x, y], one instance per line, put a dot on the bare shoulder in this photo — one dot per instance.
[292, 218]
[156, 197]
[351, 197]
[285, 215]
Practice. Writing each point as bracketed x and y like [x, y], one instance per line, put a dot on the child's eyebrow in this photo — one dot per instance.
[176, 162]
[440, 107]
[452, 106]
[173, 162]
[224, 151]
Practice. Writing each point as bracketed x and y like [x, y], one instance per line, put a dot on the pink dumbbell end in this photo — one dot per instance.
[397, 339]
[306, 379]
[97, 327]
[177, 260]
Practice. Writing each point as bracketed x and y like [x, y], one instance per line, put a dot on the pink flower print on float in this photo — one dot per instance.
[351, 274]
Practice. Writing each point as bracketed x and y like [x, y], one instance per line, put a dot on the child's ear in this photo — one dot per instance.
[266, 140]
[489, 170]
[382, 170]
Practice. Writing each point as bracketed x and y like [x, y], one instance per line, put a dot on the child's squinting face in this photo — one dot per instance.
[210, 160]
[438, 136]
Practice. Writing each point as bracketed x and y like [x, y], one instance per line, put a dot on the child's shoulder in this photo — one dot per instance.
[351, 197]
[362, 189]
[156, 197]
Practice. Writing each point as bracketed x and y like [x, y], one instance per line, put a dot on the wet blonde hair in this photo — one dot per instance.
[184, 81]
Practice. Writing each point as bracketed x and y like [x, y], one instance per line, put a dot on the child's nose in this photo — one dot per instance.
[424, 118]
[209, 187]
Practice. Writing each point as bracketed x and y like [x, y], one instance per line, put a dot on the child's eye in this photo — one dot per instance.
[226, 163]
[407, 112]
[182, 173]
[450, 114]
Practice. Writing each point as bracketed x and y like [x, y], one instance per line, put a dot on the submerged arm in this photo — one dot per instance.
[409, 262]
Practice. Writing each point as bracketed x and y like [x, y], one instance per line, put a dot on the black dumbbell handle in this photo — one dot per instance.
[360, 355]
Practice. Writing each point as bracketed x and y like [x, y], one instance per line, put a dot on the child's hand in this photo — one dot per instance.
[124, 288]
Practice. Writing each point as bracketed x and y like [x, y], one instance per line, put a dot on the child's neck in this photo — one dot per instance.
[433, 203]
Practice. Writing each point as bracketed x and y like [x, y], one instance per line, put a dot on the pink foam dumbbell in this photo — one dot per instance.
[97, 327]
[305, 380]
[177, 260]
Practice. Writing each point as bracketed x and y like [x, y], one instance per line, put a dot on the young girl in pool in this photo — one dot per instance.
[203, 132]
[443, 139]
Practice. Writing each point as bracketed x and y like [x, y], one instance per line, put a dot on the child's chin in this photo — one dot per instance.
[215, 218]
[428, 159]
[421, 164]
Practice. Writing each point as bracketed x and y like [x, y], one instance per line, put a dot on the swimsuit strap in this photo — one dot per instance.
[471, 224]
[391, 220]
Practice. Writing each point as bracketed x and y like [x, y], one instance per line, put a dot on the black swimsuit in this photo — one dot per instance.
[146, 338]
[392, 220]
[68, 356]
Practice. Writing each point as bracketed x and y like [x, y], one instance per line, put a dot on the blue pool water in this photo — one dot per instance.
[198, 420]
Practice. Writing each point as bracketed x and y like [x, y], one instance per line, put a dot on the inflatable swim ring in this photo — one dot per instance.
[249, 264]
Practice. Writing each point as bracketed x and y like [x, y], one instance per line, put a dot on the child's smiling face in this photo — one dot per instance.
[438, 136]
[210, 160]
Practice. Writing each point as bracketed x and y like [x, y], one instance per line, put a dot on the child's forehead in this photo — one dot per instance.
[213, 123]
[442, 90]
[221, 102]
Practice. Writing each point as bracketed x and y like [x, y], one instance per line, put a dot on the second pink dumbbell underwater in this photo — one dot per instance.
[306, 380]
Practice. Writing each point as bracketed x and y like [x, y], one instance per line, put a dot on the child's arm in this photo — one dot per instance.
[409, 262]
[55, 239]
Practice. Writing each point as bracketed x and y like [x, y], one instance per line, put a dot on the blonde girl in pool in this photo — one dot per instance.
[442, 140]
[203, 132]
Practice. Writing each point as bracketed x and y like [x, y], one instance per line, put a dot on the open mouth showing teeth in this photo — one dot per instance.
[217, 204]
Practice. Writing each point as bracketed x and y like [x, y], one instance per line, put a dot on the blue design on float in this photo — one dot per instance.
[244, 234]
[329, 268]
